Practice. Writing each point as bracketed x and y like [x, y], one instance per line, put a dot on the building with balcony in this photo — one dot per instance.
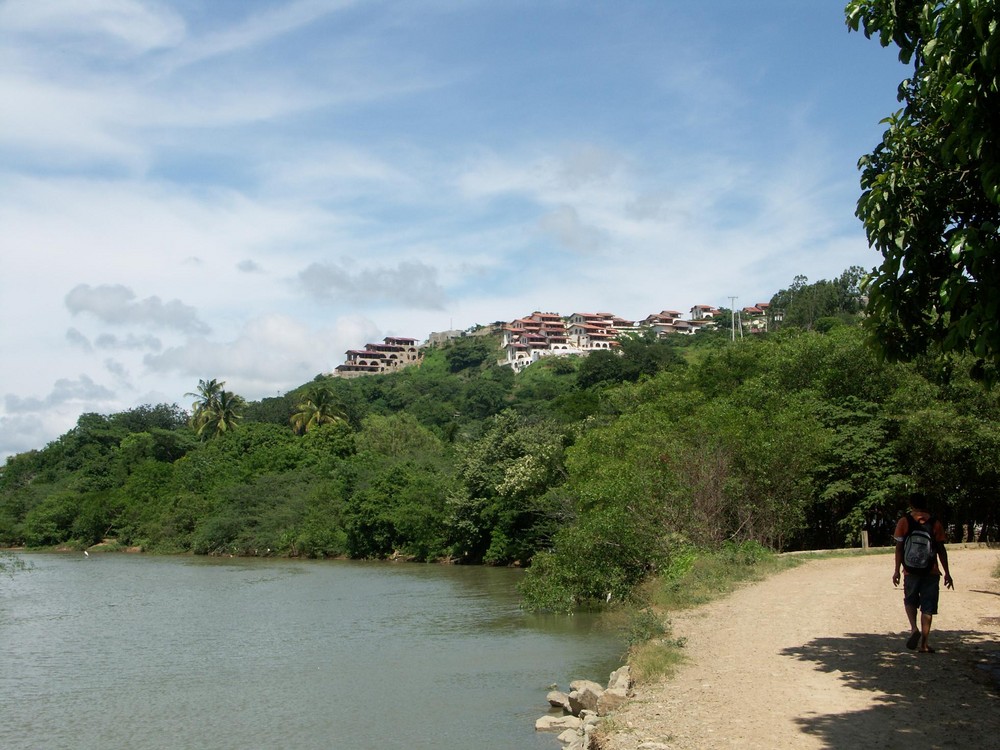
[394, 353]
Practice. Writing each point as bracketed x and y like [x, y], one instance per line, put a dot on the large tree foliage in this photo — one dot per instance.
[931, 189]
[502, 511]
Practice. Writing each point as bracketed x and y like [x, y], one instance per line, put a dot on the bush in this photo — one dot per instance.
[216, 536]
[600, 559]
[644, 625]
[51, 521]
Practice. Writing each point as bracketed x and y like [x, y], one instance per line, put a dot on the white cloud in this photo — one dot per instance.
[116, 304]
[77, 339]
[117, 124]
[131, 341]
[258, 28]
[410, 283]
[35, 123]
[117, 369]
[24, 432]
[330, 171]
[271, 353]
[139, 26]
[82, 389]
[100, 231]
[565, 225]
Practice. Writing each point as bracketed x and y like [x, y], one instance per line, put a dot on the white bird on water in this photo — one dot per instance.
[86, 554]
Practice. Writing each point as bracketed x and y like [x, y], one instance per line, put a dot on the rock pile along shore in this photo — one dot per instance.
[583, 707]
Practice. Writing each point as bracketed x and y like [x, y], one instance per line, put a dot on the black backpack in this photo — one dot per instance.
[919, 548]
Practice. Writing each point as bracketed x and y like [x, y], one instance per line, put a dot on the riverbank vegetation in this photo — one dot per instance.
[596, 472]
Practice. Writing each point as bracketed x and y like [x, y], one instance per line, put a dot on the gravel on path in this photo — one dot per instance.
[815, 657]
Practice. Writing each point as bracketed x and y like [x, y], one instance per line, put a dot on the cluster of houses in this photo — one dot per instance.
[547, 334]
[539, 335]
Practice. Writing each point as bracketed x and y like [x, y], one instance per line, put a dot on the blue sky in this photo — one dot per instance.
[245, 189]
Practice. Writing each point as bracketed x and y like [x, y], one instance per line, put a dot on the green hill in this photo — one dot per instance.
[592, 470]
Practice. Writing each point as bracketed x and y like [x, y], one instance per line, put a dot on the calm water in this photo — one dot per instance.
[123, 651]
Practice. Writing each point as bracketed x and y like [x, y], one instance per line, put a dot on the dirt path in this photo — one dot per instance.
[815, 658]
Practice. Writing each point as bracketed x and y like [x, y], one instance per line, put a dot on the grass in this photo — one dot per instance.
[824, 554]
[694, 577]
[655, 659]
[698, 577]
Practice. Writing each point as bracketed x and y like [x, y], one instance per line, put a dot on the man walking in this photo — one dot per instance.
[919, 547]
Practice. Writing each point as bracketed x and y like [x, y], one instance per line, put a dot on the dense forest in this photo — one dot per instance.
[590, 470]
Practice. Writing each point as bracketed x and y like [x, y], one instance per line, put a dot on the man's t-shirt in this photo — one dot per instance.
[903, 528]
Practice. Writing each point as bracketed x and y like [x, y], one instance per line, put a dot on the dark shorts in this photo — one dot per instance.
[922, 592]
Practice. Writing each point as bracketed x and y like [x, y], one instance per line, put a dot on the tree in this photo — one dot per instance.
[930, 199]
[473, 351]
[501, 513]
[600, 367]
[207, 399]
[646, 355]
[319, 406]
[274, 409]
[806, 305]
[215, 410]
[147, 418]
[223, 417]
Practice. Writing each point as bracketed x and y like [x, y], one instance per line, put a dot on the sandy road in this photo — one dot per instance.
[815, 657]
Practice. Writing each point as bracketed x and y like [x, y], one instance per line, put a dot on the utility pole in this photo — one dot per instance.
[732, 313]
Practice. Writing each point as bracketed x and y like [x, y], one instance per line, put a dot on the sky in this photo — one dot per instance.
[246, 189]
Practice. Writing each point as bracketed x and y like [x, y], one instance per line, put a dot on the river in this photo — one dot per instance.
[130, 651]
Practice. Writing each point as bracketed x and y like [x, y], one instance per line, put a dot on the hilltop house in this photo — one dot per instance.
[591, 331]
[754, 318]
[662, 323]
[525, 340]
[704, 312]
[394, 353]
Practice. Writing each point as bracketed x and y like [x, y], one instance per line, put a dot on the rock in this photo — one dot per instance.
[572, 739]
[610, 700]
[584, 696]
[580, 684]
[621, 678]
[558, 699]
[557, 723]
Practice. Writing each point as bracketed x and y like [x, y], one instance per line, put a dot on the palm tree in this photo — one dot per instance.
[215, 409]
[319, 406]
[207, 400]
[222, 417]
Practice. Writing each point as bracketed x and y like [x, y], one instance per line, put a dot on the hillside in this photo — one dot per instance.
[595, 471]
